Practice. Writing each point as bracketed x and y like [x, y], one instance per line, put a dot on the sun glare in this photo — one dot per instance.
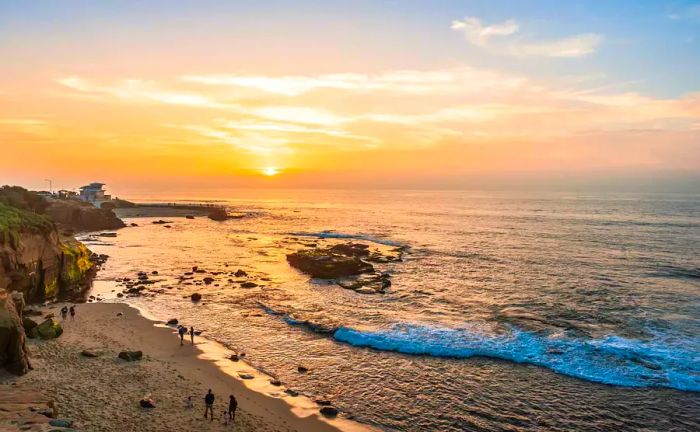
[270, 171]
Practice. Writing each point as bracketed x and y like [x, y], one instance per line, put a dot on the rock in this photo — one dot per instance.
[49, 329]
[329, 411]
[351, 249]
[31, 312]
[292, 393]
[89, 354]
[194, 269]
[154, 272]
[161, 222]
[196, 297]
[217, 214]
[119, 314]
[189, 217]
[248, 285]
[208, 280]
[131, 355]
[302, 369]
[275, 382]
[233, 357]
[28, 324]
[64, 423]
[120, 295]
[240, 273]
[245, 376]
[172, 321]
[325, 264]
[133, 224]
[323, 402]
[13, 352]
[81, 216]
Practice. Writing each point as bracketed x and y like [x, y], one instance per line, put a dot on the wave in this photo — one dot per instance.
[336, 235]
[661, 362]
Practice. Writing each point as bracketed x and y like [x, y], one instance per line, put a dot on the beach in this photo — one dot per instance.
[103, 393]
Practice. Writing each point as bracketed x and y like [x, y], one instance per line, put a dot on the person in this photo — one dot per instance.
[181, 331]
[209, 404]
[232, 405]
[72, 313]
[192, 334]
[189, 403]
[64, 312]
[227, 418]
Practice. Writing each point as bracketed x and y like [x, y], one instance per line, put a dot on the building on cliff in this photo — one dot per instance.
[94, 193]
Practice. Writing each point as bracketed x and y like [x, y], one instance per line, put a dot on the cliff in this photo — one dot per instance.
[13, 351]
[36, 261]
[81, 216]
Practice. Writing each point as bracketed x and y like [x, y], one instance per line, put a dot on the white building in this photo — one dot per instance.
[94, 193]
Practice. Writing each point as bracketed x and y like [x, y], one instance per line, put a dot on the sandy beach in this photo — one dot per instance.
[103, 393]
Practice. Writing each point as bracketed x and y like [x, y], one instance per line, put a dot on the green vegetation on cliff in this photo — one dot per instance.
[14, 220]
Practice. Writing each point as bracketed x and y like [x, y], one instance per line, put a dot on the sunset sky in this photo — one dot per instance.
[208, 95]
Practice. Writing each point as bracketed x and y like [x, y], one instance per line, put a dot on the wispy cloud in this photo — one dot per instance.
[496, 36]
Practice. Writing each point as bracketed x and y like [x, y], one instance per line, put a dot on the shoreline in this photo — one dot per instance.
[168, 371]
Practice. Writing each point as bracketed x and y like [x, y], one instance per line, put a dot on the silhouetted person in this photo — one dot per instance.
[192, 335]
[64, 312]
[232, 405]
[209, 404]
[72, 313]
[181, 331]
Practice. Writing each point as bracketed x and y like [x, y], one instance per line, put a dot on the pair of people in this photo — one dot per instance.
[182, 331]
[229, 416]
[64, 313]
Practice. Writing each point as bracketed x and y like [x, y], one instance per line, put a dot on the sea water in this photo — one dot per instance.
[510, 311]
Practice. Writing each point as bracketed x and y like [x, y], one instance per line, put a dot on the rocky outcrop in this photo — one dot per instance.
[327, 263]
[36, 261]
[49, 329]
[13, 352]
[81, 216]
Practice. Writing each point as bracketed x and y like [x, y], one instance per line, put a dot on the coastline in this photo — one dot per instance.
[102, 394]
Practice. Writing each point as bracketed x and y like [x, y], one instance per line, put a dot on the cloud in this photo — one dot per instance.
[479, 34]
[577, 46]
[691, 13]
[496, 37]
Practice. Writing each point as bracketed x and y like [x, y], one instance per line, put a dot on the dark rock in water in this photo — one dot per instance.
[329, 411]
[49, 329]
[323, 402]
[218, 214]
[172, 321]
[120, 295]
[302, 369]
[275, 382]
[233, 357]
[195, 268]
[245, 376]
[167, 226]
[89, 354]
[133, 224]
[13, 352]
[198, 332]
[131, 355]
[208, 280]
[161, 222]
[326, 264]
[196, 297]
[351, 249]
[107, 234]
[240, 273]
[248, 285]
[154, 272]
[292, 393]
[189, 217]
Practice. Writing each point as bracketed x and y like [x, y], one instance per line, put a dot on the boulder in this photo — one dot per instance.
[131, 355]
[329, 411]
[13, 352]
[28, 324]
[49, 329]
[208, 280]
[89, 354]
[240, 273]
[172, 321]
[248, 285]
[245, 376]
[275, 382]
[196, 297]
[302, 369]
[63, 423]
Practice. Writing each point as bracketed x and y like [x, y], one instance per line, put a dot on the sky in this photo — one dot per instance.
[205, 96]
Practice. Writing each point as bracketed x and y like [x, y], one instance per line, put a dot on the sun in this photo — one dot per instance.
[270, 171]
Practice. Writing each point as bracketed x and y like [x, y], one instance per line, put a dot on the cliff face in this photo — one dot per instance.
[13, 352]
[35, 261]
[81, 216]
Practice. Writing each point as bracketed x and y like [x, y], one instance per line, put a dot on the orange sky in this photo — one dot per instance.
[135, 119]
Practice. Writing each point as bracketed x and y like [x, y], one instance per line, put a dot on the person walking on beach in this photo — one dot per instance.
[209, 404]
[181, 331]
[72, 313]
[192, 335]
[64, 312]
[232, 405]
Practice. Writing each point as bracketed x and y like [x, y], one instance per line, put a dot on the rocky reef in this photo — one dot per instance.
[350, 264]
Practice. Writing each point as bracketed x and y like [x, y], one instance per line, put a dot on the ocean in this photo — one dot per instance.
[510, 311]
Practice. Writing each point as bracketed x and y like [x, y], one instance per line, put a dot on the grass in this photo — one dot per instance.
[14, 221]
